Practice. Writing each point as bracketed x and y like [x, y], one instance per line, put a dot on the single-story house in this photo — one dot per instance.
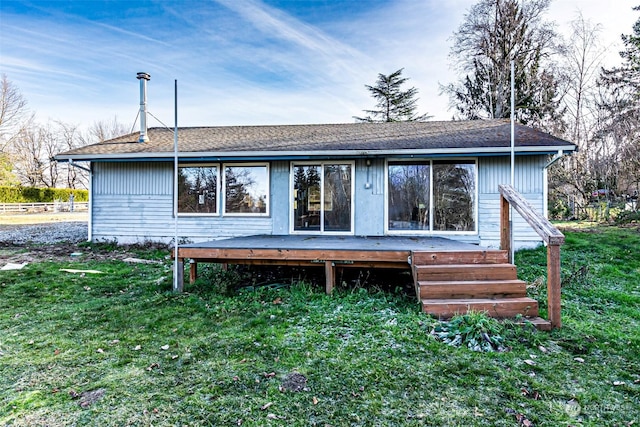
[434, 178]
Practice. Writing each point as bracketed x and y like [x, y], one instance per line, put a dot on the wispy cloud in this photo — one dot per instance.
[237, 61]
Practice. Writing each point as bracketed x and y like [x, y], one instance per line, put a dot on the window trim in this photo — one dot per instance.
[223, 191]
[431, 231]
[322, 163]
[218, 212]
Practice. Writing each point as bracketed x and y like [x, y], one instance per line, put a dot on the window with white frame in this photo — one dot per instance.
[432, 195]
[198, 189]
[246, 189]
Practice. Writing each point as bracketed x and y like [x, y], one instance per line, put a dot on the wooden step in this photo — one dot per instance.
[472, 289]
[462, 272]
[539, 323]
[499, 308]
[464, 257]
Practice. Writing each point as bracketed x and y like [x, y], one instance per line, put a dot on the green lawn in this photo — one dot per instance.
[119, 348]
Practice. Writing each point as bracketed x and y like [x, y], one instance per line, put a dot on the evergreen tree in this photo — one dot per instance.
[393, 103]
[621, 127]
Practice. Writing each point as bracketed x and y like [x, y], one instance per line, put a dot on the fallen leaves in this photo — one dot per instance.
[153, 366]
[275, 417]
[520, 418]
[531, 394]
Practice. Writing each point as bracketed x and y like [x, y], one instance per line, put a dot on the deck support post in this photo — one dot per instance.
[505, 227]
[554, 285]
[180, 272]
[193, 271]
[330, 275]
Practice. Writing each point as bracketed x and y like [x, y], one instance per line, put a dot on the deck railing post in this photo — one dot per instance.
[554, 285]
[551, 236]
[505, 227]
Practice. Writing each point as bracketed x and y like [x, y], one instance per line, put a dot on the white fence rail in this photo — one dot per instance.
[9, 208]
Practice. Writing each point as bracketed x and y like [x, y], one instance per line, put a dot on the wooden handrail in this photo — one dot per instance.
[550, 234]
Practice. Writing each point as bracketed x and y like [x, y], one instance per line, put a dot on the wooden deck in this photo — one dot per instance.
[450, 276]
[329, 251]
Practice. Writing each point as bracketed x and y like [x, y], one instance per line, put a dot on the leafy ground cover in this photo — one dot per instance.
[118, 348]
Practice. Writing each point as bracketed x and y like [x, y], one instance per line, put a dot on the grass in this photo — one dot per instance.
[118, 348]
[41, 217]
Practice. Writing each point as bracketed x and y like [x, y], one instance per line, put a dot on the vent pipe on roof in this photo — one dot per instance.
[143, 77]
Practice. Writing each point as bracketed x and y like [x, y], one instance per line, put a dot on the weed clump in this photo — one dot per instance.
[474, 330]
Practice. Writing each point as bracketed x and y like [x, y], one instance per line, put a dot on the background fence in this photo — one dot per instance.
[6, 208]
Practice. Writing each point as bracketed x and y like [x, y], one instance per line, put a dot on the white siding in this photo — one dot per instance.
[529, 180]
[133, 202]
[133, 178]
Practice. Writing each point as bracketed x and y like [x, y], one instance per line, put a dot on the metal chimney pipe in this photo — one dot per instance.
[143, 77]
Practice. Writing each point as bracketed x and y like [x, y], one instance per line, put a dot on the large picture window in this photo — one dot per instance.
[198, 189]
[322, 197]
[246, 189]
[432, 196]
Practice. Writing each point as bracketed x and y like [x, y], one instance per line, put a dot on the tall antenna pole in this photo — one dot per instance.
[513, 153]
[176, 272]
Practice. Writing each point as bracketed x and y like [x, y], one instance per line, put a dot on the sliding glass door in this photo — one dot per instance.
[323, 197]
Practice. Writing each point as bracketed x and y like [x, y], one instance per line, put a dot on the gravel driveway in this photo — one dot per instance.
[45, 233]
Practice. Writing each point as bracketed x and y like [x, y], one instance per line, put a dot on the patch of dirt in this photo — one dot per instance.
[66, 251]
[88, 398]
[294, 382]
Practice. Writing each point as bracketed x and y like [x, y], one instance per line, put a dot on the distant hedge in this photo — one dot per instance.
[40, 195]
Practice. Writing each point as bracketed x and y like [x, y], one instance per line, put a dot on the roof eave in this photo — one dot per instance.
[320, 153]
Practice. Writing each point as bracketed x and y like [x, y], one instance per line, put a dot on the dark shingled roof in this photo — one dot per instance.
[323, 139]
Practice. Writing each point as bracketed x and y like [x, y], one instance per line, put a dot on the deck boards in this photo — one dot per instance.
[351, 243]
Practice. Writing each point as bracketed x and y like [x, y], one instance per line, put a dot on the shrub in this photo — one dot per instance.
[628, 217]
[40, 195]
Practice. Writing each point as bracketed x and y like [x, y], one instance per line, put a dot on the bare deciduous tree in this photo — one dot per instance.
[493, 33]
[14, 116]
[574, 180]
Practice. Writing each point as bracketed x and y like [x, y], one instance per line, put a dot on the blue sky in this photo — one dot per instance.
[241, 62]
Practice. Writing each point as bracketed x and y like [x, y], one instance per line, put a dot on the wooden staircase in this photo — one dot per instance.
[450, 283]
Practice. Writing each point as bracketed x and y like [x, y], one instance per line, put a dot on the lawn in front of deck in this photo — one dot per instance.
[118, 348]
